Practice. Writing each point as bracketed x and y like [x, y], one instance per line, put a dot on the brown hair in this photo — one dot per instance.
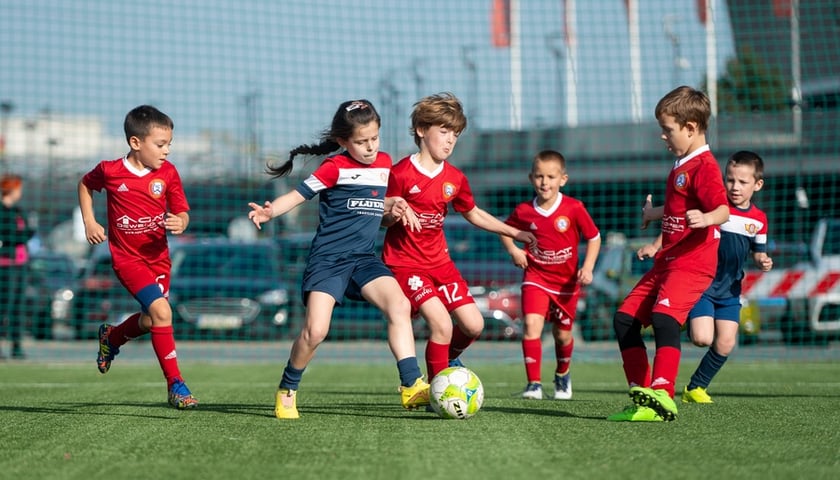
[441, 109]
[686, 104]
[746, 157]
[549, 156]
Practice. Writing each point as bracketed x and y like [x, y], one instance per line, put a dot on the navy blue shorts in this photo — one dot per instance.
[342, 278]
[717, 308]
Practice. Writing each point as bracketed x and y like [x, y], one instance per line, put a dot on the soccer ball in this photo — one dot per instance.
[456, 392]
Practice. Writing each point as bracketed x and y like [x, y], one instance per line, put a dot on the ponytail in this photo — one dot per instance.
[323, 148]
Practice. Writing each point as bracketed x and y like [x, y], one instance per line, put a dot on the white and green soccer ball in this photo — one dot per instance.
[456, 392]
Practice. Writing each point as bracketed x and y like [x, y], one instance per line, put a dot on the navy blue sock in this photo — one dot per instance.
[409, 371]
[709, 367]
[291, 377]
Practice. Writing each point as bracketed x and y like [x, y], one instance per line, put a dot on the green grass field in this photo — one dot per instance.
[770, 420]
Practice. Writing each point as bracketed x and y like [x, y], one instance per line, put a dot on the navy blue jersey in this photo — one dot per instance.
[744, 232]
[351, 204]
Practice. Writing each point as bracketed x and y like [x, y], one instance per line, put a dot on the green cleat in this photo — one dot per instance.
[658, 399]
[696, 395]
[636, 413]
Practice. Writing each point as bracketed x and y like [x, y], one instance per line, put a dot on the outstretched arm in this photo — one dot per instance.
[280, 205]
[485, 221]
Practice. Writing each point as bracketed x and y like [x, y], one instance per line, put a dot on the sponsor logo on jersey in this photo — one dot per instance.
[122, 188]
[130, 225]
[561, 223]
[681, 181]
[415, 189]
[533, 226]
[157, 187]
[449, 190]
[415, 283]
[363, 205]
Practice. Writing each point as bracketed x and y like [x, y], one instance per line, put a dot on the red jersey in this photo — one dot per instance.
[429, 194]
[553, 260]
[137, 206]
[695, 182]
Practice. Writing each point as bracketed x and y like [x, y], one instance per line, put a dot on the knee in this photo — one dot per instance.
[398, 310]
[472, 325]
[666, 330]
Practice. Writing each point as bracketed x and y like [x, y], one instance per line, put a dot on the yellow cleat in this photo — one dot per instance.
[285, 404]
[696, 395]
[416, 395]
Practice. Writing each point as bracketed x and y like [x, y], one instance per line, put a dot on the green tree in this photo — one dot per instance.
[750, 85]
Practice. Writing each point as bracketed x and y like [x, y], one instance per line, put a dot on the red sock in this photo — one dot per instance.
[127, 330]
[564, 356]
[163, 342]
[636, 366]
[460, 341]
[532, 353]
[666, 365]
[436, 358]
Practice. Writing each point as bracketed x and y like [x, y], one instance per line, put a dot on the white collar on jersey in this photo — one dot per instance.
[130, 167]
[682, 161]
[552, 209]
[416, 163]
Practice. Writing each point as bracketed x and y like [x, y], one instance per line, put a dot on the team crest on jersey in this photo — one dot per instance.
[681, 181]
[751, 228]
[157, 187]
[449, 190]
[561, 224]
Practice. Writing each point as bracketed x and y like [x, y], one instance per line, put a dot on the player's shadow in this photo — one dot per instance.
[89, 408]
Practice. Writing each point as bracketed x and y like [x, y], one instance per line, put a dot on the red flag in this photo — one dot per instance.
[781, 8]
[701, 11]
[500, 23]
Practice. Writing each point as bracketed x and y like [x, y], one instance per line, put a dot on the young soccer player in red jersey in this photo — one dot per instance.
[351, 188]
[145, 201]
[552, 280]
[420, 259]
[695, 204]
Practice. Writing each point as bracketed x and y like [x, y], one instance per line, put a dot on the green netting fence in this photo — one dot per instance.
[247, 81]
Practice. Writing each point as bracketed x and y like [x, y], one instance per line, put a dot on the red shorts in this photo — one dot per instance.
[138, 278]
[671, 292]
[444, 282]
[557, 308]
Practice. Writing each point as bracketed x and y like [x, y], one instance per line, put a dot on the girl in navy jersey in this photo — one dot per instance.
[342, 263]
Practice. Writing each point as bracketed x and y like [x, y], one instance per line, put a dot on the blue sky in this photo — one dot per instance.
[198, 60]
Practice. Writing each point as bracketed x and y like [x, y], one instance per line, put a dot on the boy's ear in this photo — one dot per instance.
[759, 184]
[692, 127]
[134, 142]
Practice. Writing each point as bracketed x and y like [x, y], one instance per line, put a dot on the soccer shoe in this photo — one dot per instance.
[107, 352]
[533, 391]
[658, 400]
[415, 396]
[180, 396]
[636, 413]
[456, 362]
[696, 395]
[563, 386]
[285, 404]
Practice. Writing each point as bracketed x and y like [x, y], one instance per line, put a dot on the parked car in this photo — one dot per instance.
[223, 289]
[48, 272]
[220, 289]
[96, 297]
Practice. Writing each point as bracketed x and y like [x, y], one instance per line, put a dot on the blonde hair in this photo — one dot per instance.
[549, 156]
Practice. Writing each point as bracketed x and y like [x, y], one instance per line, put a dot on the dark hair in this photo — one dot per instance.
[550, 156]
[140, 120]
[349, 116]
[746, 157]
[686, 104]
[441, 109]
